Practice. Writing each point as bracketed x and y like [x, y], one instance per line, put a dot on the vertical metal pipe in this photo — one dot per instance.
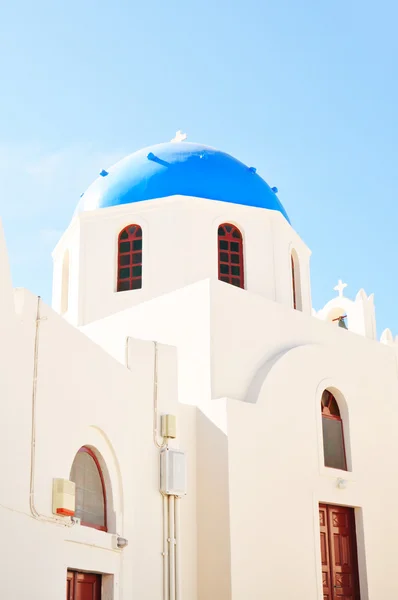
[172, 548]
[177, 527]
[165, 548]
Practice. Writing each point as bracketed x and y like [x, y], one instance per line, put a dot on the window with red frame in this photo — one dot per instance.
[87, 475]
[333, 434]
[230, 255]
[129, 261]
[293, 282]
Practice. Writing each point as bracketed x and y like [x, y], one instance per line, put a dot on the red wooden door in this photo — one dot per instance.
[83, 586]
[338, 553]
[70, 586]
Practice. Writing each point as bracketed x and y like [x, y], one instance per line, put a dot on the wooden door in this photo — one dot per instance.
[338, 553]
[83, 586]
[70, 586]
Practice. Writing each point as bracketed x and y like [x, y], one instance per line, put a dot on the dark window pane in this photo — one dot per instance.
[124, 259]
[132, 229]
[333, 408]
[223, 245]
[333, 444]
[224, 256]
[137, 258]
[124, 247]
[137, 271]
[235, 270]
[221, 231]
[329, 404]
[235, 281]
[124, 235]
[122, 286]
[226, 279]
[137, 245]
[235, 259]
[236, 234]
[224, 269]
[137, 284]
[228, 228]
[124, 273]
[235, 246]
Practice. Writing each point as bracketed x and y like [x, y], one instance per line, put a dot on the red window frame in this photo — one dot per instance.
[129, 258]
[95, 459]
[230, 255]
[293, 282]
[330, 410]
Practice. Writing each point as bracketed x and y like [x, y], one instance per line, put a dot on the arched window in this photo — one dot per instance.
[90, 489]
[295, 272]
[333, 434]
[129, 262]
[65, 283]
[230, 255]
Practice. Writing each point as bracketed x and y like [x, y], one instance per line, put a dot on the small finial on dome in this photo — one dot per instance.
[104, 173]
[179, 136]
[275, 190]
[252, 169]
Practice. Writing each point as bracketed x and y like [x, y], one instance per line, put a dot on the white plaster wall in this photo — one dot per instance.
[179, 248]
[182, 319]
[253, 369]
[249, 330]
[86, 397]
[274, 499]
[259, 459]
[275, 363]
[72, 243]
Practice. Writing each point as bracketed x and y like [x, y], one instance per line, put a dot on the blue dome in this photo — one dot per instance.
[179, 168]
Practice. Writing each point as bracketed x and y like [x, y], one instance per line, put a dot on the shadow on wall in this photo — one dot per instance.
[214, 553]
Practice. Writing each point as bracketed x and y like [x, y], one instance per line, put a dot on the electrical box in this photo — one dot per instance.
[169, 428]
[173, 472]
[63, 497]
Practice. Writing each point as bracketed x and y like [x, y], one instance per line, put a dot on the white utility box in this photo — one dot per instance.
[173, 472]
[63, 497]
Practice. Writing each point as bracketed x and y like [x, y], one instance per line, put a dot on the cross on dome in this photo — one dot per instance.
[179, 136]
[340, 288]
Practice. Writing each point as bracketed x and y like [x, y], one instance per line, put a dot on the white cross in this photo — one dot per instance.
[340, 288]
[179, 136]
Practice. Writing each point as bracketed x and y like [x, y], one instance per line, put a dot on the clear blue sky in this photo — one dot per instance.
[307, 92]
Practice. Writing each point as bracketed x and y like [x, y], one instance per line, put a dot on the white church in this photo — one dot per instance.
[181, 424]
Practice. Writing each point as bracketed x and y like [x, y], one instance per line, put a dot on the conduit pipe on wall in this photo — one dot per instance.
[159, 444]
[165, 548]
[171, 507]
[172, 548]
[33, 510]
[163, 442]
[177, 528]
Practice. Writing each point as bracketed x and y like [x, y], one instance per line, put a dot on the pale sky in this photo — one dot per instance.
[306, 92]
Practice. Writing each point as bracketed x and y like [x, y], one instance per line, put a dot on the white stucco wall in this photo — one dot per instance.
[279, 441]
[84, 397]
[243, 373]
[179, 249]
[260, 471]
